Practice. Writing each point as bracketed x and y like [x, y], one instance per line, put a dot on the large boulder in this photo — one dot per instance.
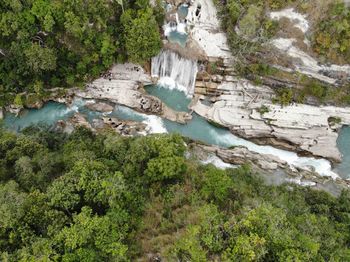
[99, 107]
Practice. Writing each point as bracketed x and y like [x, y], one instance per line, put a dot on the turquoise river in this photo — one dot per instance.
[198, 128]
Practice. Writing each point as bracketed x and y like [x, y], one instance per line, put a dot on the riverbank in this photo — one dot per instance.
[219, 96]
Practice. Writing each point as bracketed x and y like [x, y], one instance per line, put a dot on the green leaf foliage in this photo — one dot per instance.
[102, 197]
[67, 43]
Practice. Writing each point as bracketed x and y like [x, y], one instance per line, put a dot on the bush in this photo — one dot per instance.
[284, 96]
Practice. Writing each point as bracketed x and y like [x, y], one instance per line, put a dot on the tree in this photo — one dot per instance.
[92, 235]
[188, 248]
[63, 193]
[216, 185]
[247, 248]
[11, 201]
[142, 38]
[40, 59]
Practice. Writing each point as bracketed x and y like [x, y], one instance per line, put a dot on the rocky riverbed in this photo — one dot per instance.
[268, 166]
[249, 110]
[219, 96]
[123, 85]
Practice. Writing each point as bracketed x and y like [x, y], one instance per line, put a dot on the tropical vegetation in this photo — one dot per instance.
[49, 43]
[102, 197]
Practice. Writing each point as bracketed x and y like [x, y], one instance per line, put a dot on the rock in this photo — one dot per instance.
[306, 64]
[175, 2]
[193, 50]
[14, 109]
[125, 87]
[100, 107]
[206, 31]
[125, 128]
[36, 105]
[269, 167]
[78, 120]
[98, 124]
[33, 101]
[241, 155]
[1, 113]
[299, 127]
[63, 126]
[60, 95]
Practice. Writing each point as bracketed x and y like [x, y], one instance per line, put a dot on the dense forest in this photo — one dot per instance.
[50, 43]
[103, 197]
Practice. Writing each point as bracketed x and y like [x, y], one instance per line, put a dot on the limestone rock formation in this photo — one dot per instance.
[99, 107]
[79, 120]
[269, 166]
[206, 31]
[123, 86]
[247, 110]
[14, 109]
[125, 128]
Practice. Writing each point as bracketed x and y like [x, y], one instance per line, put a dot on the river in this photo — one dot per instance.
[198, 128]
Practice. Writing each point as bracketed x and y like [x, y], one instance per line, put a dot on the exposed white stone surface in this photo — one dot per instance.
[217, 162]
[303, 127]
[300, 20]
[306, 64]
[207, 30]
[122, 86]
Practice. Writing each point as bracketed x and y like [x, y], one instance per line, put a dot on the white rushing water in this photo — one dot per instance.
[216, 161]
[175, 72]
[321, 166]
[154, 123]
[174, 26]
[222, 137]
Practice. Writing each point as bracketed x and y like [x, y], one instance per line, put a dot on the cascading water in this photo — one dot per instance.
[175, 30]
[175, 72]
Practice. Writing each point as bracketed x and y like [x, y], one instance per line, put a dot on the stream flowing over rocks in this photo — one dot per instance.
[219, 96]
[235, 103]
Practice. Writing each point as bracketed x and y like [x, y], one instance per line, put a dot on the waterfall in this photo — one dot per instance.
[175, 71]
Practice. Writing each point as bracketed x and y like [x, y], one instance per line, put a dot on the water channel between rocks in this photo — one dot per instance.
[198, 128]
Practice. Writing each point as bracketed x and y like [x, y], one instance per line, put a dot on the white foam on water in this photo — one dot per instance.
[321, 166]
[154, 124]
[169, 83]
[76, 104]
[216, 161]
[180, 27]
[172, 68]
[301, 183]
[128, 112]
